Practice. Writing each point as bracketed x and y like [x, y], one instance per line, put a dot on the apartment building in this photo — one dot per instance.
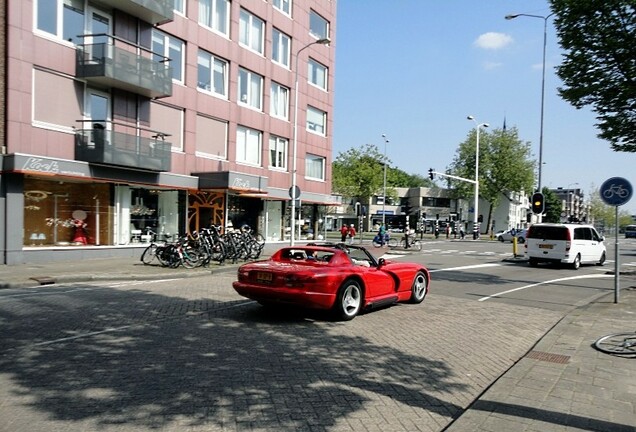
[125, 118]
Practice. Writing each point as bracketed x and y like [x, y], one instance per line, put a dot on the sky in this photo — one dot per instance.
[413, 70]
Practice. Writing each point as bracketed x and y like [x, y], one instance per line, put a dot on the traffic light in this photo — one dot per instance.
[431, 175]
[538, 203]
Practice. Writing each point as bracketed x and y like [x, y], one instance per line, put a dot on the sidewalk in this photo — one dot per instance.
[563, 383]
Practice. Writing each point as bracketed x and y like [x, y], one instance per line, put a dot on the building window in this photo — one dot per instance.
[179, 6]
[318, 26]
[248, 146]
[61, 18]
[278, 152]
[316, 121]
[317, 74]
[279, 101]
[251, 31]
[212, 74]
[314, 167]
[250, 89]
[215, 14]
[280, 48]
[283, 5]
[164, 45]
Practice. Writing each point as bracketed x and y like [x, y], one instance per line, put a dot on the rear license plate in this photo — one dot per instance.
[546, 246]
[264, 277]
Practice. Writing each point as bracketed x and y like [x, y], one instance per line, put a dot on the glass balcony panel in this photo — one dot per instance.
[109, 147]
[123, 68]
[152, 11]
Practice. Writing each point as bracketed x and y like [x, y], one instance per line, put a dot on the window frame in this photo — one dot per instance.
[277, 91]
[309, 159]
[242, 146]
[280, 6]
[279, 47]
[160, 55]
[314, 18]
[246, 29]
[212, 59]
[180, 10]
[59, 34]
[275, 144]
[324, 121]
[249, 93]
[312, 66]
[212, 21]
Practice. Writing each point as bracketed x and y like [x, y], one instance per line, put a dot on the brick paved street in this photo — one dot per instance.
[190, 355]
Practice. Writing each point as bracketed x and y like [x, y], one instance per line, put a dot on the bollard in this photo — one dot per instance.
[514, 246]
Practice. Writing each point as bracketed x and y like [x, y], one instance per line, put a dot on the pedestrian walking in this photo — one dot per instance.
[344, 231]
[352, 233]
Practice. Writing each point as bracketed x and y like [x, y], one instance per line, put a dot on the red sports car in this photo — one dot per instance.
[342, 278]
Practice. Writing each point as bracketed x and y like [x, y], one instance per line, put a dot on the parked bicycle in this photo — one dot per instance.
[617, 344]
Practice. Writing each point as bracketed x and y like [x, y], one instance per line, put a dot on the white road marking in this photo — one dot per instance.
[590, 276]
[465, 267]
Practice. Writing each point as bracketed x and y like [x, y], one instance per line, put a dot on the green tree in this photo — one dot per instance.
[360, 173]
[598, 69]
[552, 206]
[505, 166]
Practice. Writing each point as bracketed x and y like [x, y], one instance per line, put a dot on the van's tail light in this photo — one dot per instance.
[568, 241]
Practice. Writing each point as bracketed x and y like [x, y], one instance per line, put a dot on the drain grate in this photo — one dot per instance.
[548, 357]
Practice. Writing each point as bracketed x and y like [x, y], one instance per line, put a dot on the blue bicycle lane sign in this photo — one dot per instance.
[616, 191]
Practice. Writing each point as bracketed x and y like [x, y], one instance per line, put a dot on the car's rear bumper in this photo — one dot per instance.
[301, 297]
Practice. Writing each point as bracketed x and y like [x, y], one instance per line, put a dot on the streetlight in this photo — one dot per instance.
[545, 35]
[386, 141]
[294, 191]
[478, 127]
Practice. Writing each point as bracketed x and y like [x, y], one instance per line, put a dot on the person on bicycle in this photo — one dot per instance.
[382, 234]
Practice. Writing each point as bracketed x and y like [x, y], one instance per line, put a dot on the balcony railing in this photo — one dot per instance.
[119, 64]
[152, 11]
[108, 147]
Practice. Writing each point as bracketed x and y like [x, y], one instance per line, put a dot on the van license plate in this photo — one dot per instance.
[546, 246]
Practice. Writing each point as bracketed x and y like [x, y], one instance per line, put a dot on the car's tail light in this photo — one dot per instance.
[568, 240]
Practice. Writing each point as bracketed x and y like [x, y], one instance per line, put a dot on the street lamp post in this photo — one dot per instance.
[386, 141]
[293, 192]
[478, 126]
[545, 35]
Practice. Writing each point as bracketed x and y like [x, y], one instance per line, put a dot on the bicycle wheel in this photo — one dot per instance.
[618, 343]
[393, 243]
[149, 254]
[416, 245]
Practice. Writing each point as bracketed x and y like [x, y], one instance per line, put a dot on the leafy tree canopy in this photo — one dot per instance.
[359, 172]
[505, 165]
[552, 206]
[599, 67]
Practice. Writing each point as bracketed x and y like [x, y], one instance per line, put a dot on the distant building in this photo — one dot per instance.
[573, 206]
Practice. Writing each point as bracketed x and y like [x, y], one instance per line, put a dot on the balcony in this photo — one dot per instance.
[124, 66]
[152, 11]
[109, 147]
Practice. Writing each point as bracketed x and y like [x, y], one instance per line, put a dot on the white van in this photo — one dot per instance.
[570, 244]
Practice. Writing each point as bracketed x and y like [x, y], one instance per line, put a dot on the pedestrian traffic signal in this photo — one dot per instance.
[431, 174]
[538, 203]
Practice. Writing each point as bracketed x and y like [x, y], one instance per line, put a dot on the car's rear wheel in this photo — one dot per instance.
[348, 301]
[419, 289]
[577, 262]
[601, 260]
[501, 239]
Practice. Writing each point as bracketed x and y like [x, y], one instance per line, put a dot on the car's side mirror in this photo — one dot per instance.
[381, 262]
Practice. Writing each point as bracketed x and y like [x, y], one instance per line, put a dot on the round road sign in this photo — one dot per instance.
[616, 191]
[294, 192]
